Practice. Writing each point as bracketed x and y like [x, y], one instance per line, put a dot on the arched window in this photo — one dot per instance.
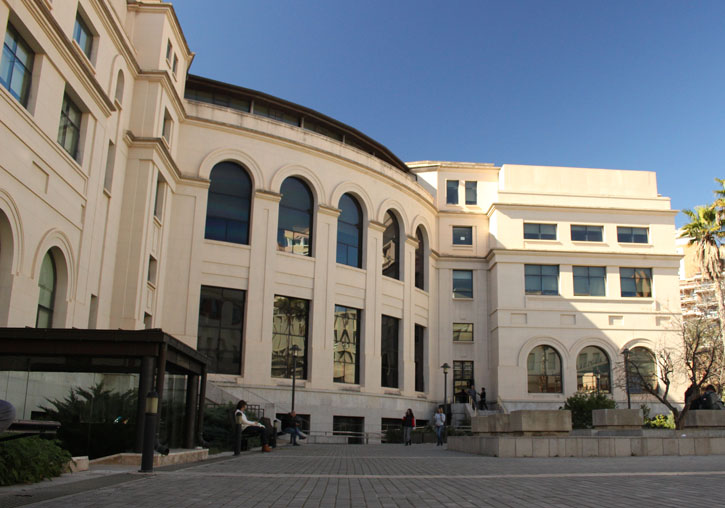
[420, 259]
[46, 299]
[349, 232]
[227, 209]
[593, 371]
[544, 370]
[294, 233]
[642, 370]
[120, 81]
[391, 247]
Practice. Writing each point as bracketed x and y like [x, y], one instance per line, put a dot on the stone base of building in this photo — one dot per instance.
[588, 446]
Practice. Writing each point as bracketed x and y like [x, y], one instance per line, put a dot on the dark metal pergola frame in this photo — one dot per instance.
[150, 353]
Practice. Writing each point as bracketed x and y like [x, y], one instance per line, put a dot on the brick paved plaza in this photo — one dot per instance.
[389, 475]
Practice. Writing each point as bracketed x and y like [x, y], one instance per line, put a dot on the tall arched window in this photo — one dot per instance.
[593, 371]
[642, 370]
[46, 299]
[227, 209]
[120, 81]
[544, 370]
[294, 233]
[349, 232]
[391, 247]
[420, 259]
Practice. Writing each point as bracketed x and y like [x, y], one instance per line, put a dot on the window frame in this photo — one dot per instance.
[297, 236]
[590, 229]
[339, 353]
[458, 292]
[558, 384]
[217, 198]
[83, 27]
[66, 124]
[358, 226]
[390, 353]
[539, 232]
[471, 188]
[632, 235]
[457, 334]
[26, 67]
[452, 197]
[238, 299]
[589, 277]
[541, 276]
[288, 337]
[633, 294]
[458, 238]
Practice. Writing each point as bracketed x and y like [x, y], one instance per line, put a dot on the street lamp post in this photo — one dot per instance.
[445, 368]
[295, 349]
[625, 353]
[149, 432]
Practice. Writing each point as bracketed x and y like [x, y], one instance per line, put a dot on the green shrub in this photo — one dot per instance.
[219, 426]
[660, 422]
[581, 406]
[30, 460]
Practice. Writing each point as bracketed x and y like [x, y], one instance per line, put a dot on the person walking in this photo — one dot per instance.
[473, 396]
[408, 426]
[439, 421]
[482, 400]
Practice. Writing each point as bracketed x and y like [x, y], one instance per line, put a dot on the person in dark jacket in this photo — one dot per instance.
[482, 400]
[291, 425]
[408, 426]
[711, 400]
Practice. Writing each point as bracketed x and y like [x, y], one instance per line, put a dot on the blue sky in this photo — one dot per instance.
[608, 84]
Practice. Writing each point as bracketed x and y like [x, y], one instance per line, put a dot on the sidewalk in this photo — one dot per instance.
[387, 475]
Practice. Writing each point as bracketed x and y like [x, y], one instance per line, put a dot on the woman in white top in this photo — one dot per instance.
[251, 428]
[440, 425]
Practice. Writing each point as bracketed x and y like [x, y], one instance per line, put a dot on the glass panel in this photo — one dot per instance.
[462, 235]
[471, 193]
[419, 356]
[593, 371]
[289, 328]
[346, 349]
[389, 353]
[452, 192]
[544, 370]
[463, 332]
[531, 231]
[548, 231]
[420, 260]
[295, 217]
[391, 246]
[462, 284]
[642, 370]
[349, 231]
[221, 328]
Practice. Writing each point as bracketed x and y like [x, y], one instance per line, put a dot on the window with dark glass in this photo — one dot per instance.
[389, 353]
[544, 370]
[534, 231]
[462, 332]
[221, 328]
[349, 232]
[351, 426]
[592, 371]
[452, 192]
[16, 66]
[542, 279]
[462, 284]
[289, 328]
[46, 298]
[419, 357]
[294, 233]
[275, 114]
[462, 379]
[218, 99]
[641, 370]
[636, 282]
[420, 259]
[590, 280]
[586, 233]
[83, 36]
[471, 193]
[632, 235]
[160, 195]
[228, 204]
[462, 235]
[69, 130]
[166, 127]
[346, 349]
[391, 247]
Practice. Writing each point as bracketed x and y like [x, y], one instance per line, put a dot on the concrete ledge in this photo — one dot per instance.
[175, 457]
[77, 464]
[617, 419]
[553, 446]
[490, 424]
[705, 418]
[532, 422]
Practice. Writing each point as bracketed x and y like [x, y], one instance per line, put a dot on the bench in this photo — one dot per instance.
[27, 428]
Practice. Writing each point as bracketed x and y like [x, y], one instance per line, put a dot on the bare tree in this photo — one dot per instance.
[697, 359]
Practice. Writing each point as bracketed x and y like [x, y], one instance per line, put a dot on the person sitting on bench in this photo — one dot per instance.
[291, 426]
[7, 415]
[250, 428]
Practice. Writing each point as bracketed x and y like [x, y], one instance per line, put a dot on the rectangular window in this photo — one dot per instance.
[218, 99]
[153, 265]
[542, 279]
[462, 235]
[16, 66]
[346, 350]
[636, 282]
[632, 235]
[69, 130]
[419, 356]
[539, 231]
[389, 353]
[83, 36]
[175, 65]
[221, 328]
[351, 426]
[110, 163]
[471, 193]
[159, 200]
[462, 332]
[462, 380]
[590, 280]
[166, 127]
[586, 233]
[169, 49]
[462, 284]
[452, 192]
[276, 114]
[289, 337]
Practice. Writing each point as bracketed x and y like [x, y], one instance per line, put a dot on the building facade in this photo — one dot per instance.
[282, 243]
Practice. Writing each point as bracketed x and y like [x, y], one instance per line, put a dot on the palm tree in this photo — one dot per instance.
[705, 231]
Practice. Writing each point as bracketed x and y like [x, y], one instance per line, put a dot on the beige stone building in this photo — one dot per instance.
[136, 195]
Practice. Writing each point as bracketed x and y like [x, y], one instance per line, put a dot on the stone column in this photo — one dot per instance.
[372, 314]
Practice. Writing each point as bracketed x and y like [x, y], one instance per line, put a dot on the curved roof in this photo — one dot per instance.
[262, 104]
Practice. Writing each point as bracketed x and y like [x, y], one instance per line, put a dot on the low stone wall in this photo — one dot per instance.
[617, 419]
[615, 446]
[704, 419]
[175, 457]
[524, 422]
